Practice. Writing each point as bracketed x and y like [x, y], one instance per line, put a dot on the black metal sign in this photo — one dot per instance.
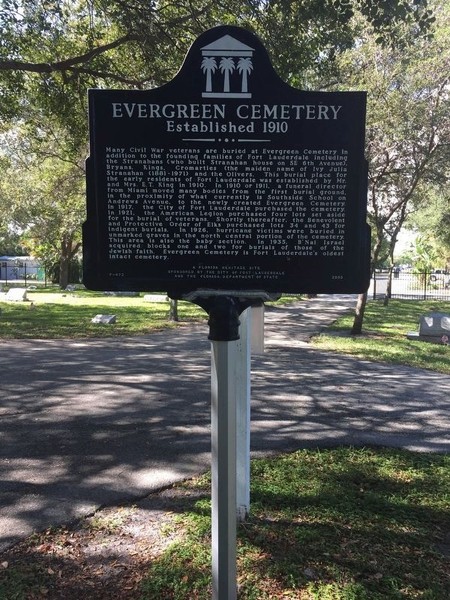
[226, 178]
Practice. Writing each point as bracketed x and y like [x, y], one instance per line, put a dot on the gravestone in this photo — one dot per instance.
[16, 295]
[155, 298]
[123, 294]
[226, 178]
[104, 319]
[433, 327]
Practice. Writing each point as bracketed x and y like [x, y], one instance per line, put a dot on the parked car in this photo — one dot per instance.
[441, 277]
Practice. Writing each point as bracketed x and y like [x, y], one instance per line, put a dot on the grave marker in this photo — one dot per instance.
[104, 319]
[16, 295]
[433, 327]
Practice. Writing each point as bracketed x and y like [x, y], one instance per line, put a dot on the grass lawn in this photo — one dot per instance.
[68, 315]
[342, 524]
[384, 335]
[337, 524]
[54, 314]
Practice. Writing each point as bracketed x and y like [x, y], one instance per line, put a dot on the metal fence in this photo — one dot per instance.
[412, 285]
[17, 272]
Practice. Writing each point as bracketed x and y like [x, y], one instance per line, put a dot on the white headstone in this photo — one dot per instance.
[104, 319]
[155, 298]
[16, 295]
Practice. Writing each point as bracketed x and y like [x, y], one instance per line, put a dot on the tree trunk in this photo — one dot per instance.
[392, 244]
[68, 251]
[388, 294]
[362, 298]
[173, 311]
[64, 263]
[359, 314]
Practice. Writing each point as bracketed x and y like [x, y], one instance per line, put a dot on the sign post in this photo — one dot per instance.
[226, 187]
[227, 402]
[243, 383]
[223, 469]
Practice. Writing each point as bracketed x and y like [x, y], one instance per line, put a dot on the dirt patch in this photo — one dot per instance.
[101, 557]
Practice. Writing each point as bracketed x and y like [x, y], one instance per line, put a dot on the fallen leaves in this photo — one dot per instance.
[71, 563]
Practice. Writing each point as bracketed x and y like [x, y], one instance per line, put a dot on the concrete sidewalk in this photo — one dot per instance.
[96, 422]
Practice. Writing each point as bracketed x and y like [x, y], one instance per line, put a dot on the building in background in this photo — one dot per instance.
[20, 267]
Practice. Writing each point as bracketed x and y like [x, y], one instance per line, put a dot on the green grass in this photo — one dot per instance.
[69, 315]
[384, 335]
[23, 583]
[341, 524]
[334, 524]
[54, 314]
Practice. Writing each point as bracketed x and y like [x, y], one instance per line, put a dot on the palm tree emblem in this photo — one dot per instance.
[245, 67]
[209, 66]
[226, 67]
[224, 56]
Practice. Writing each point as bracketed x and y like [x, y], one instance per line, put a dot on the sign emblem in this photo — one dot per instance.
[222, 59]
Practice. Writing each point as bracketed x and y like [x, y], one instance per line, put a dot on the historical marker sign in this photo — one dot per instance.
[226, 178]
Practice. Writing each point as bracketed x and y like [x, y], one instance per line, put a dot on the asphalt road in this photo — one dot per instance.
[97, 422]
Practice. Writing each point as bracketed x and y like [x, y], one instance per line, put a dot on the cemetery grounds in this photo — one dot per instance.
[335, 524]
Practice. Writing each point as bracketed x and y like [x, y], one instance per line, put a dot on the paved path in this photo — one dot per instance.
[96, 422]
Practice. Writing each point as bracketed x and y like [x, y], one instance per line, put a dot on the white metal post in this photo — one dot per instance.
[223, 442]
[243, 391]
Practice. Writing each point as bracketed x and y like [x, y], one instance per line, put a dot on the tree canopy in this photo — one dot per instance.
[408, 126]
[432, 221]
[51, 52]
[408, 120]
